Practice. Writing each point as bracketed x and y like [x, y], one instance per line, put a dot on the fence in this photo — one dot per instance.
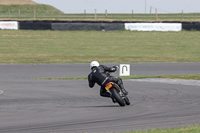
[52, 14]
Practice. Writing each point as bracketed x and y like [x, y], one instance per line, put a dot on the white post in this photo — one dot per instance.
[106, 13]
[59, 15]
[182, 15]
[156, 14]
[9, 12]
[150, 9]
[84, 13]
[95, 13]
[19, 12]
[145, 6]
[34, 14]
[132, 14]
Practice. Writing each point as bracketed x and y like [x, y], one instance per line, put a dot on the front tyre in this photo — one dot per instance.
[117, 97]
[127, 101]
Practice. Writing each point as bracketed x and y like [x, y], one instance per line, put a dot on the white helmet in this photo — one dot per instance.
[93, 64]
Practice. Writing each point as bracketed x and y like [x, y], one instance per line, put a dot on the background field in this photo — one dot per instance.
[27, 9]
[83, 46]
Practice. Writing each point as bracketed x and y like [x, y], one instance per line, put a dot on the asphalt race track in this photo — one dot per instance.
[69, 106]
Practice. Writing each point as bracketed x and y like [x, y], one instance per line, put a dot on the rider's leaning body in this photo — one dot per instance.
[99, 75]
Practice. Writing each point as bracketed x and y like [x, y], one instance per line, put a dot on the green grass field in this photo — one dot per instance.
[26, 46]
[193, 129]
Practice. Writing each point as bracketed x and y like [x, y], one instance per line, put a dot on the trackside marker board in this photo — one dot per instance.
[124, 70]
[153, 26]
[9, 25]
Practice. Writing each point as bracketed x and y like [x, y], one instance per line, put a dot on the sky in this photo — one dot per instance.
[124, 6]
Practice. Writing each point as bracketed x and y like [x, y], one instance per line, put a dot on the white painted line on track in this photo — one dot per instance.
[1, 92]
[169, 81]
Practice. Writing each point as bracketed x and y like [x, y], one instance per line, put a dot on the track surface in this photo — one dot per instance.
[70, 106]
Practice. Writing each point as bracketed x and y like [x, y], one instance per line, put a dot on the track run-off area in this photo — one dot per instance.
[28, 104]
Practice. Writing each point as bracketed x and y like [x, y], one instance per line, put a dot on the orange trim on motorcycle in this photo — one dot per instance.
[109, 85]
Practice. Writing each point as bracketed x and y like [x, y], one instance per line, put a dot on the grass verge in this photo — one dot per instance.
[187, 77]
[192, 129]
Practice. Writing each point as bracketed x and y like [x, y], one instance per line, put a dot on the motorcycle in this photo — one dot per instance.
[117, 94]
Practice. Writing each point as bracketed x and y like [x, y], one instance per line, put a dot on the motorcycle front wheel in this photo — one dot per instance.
[127, 101]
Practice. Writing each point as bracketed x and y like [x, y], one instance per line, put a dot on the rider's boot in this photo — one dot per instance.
[123, 89]
[125, 92]
[120, 83]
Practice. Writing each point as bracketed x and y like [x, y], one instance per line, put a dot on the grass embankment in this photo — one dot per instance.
[27, 11]
[83, 46]
[19, 2]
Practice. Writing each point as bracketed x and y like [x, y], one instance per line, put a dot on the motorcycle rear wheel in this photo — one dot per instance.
[117, 97]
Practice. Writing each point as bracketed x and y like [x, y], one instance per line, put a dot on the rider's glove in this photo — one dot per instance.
[116, 67]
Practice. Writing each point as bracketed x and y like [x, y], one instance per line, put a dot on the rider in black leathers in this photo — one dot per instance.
[100, 76]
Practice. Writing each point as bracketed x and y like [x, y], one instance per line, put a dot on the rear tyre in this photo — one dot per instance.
[117, 97]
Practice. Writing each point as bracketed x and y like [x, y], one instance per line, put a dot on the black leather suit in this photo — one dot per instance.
[99, 75]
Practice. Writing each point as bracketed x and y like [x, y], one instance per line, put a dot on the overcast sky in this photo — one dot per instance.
[124, 6]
